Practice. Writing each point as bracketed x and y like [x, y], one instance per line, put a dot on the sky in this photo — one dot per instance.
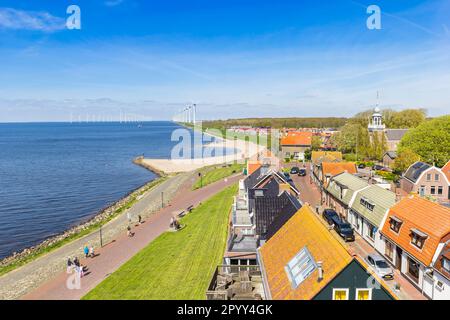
[145, 60]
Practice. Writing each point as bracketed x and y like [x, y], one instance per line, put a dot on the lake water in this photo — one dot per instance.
[56, 175]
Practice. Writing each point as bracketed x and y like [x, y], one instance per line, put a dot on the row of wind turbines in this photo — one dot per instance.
[187, 114]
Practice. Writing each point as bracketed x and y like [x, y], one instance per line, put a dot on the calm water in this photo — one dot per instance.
[56, 175]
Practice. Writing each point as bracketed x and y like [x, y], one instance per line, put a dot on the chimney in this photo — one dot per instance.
[320, 270]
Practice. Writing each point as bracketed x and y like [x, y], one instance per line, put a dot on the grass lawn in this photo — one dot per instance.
[217, 173]
[176, 265]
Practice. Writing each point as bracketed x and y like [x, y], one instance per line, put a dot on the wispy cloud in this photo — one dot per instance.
[29, 20]
[113, 3]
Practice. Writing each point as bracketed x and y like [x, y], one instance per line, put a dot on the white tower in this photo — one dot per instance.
[376, 123]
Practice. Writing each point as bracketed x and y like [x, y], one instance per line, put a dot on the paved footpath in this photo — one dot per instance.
[116, 253]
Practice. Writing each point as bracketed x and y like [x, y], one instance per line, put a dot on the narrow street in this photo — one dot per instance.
[309, 193]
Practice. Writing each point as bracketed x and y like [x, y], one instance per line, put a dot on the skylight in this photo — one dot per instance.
[300, 267]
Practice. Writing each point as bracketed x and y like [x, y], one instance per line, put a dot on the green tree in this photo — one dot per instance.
[316, 142]
[405, 158]
[409, 118]
[430, 140]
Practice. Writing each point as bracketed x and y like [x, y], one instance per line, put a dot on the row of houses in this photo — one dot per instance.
[278, 248]
[413, 233]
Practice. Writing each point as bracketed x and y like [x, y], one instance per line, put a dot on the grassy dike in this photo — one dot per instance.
[216, 173]
[176, 265]
[72, 235]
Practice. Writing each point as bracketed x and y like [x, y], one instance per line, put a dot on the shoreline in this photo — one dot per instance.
[242, 151]
[98, 219]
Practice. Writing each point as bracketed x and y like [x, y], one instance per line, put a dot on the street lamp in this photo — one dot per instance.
[201, 179]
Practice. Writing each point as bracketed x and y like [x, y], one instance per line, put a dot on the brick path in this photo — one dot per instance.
[113, 255]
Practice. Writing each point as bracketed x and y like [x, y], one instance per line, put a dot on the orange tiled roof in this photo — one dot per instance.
[302, 230]
[446, 170]
[328, 155]
[298, 138]
[252, 166]
[334, 168]
[424, 215]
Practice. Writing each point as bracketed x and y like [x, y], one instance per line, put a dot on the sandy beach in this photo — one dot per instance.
[242, 151]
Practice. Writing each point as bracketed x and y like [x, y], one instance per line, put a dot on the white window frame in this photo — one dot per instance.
[341, 289]
[363, 289]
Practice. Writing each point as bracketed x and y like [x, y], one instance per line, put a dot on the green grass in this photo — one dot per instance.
[44, 250]
[176, 265]
[217, 173]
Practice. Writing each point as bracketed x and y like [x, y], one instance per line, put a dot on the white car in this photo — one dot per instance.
[380, 266]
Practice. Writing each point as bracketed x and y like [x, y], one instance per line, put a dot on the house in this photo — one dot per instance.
[263, 158]
[441, 274]
[304, 261]
[317, 157]
[389, 158]
[393, 137]
[414, 233]
[265, 201]
[330, 169]
[294, 144]
[426, 180]
[340, 192]
[368, 211]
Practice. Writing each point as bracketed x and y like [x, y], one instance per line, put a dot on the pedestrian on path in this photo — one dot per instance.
[129, 233]
[91, 252]
[139, 219]
[86, 251]
[69, 265]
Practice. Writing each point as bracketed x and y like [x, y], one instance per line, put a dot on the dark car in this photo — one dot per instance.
[287, 176]
[302, 172]
[344, 229]
[328, 215]
[361, 166]
[294, 170]
[377, 167]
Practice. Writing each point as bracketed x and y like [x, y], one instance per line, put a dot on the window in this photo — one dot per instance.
[371, 232]
[259, 193]
[395, 224]
[422, 191]
[440, 190]
[433, 190]
[436, 177]
[363, 294]
[340, 294]
[389, 250]
[418, 238]
[446, 264]
[428, 176]
[366, 203]
[413, 269]
[300, 267]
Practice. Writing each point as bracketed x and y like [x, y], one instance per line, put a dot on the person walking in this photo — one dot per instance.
[91, 252]
[139, 219]
[129, 231]
[69, 265]
[86, 251]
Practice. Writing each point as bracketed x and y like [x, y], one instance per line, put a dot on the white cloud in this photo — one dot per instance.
[29, 20]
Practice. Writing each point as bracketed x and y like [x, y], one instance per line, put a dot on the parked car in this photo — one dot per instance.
[328, 215]
[302, 172]
[294, 170]
[287, 176]
[380, 266]
[378, 167]
[344, 229]
[361, 166]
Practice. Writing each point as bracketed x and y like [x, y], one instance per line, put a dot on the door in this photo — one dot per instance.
[398, 258]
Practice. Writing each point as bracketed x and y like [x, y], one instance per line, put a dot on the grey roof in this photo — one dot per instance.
[391, 154]
[395, 134]
[382, 200]
[349, 182]
[415, 170]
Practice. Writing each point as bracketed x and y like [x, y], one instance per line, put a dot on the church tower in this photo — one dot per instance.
[376, 123]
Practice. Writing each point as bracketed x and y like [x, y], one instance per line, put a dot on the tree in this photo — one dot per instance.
[409, 118]
[316, 142]
[430, 140]
[404, 160]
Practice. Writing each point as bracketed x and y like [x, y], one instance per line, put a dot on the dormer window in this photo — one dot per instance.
[395, 223]
[446, 264]
[418, 238]
[367, 204]
[259, 193]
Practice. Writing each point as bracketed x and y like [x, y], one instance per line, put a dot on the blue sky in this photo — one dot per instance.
[146, 59]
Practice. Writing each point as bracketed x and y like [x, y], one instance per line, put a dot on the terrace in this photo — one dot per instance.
[236, 282]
